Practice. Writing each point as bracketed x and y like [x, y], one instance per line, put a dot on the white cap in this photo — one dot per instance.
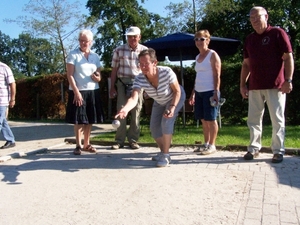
[133, 31]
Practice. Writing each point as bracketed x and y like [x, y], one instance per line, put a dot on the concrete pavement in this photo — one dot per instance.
[124, 186]
[34, 137]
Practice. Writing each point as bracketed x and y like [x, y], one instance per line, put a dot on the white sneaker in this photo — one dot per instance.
[163, 160]
[156, 157]
[208, 150]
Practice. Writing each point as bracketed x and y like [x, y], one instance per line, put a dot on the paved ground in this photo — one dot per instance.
[32, 137]
[123, 186]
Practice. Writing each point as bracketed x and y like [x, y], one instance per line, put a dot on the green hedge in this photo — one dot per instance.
[45, 96]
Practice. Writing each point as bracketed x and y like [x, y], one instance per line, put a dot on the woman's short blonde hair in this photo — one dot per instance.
[202, 33]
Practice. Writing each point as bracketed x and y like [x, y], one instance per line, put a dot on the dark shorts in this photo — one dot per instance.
[203, 109]
[89, 113]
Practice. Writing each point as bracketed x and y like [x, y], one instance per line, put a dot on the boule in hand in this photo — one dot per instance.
[167, 112]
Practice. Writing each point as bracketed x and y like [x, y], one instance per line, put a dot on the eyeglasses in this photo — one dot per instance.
[83, 41]
[132, 36]
[200, 39]
[255, 18]
[144, 64]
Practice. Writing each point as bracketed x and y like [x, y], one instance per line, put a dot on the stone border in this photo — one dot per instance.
[288, 151]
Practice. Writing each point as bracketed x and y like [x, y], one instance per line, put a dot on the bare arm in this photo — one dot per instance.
[176, 97]
[70, 75]
[12, 101]
[245, 72]
[216, 68]
[192, 97]
[288, 72]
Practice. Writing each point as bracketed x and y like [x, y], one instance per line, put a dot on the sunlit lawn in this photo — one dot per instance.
[228, 135]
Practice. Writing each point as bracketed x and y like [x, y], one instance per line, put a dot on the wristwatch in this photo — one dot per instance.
[289, 80]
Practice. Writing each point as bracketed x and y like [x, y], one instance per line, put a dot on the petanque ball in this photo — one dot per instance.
[167, 112]
[115, 124]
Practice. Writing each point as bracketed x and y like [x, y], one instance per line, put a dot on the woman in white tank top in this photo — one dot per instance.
[206, 90]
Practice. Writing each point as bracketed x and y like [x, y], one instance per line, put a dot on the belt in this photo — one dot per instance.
[126, 78]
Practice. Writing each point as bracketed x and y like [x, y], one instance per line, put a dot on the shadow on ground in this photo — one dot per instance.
[36, 131]
[64, 161]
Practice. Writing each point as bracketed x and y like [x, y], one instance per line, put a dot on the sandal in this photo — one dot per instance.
[77, 150]
[90, 149]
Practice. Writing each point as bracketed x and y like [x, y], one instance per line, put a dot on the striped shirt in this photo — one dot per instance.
[6, 78]
[164, 93]
[126, 59]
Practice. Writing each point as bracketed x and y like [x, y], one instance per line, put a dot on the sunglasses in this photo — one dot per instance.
[200, 39]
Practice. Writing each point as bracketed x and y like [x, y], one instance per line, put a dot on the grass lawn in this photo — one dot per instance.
[228, 135]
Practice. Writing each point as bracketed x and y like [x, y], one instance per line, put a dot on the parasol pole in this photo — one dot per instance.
[182, 83]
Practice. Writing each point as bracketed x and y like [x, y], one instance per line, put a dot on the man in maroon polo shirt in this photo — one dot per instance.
[268, 68]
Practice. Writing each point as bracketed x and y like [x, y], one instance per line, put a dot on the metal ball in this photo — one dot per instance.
[167, 112]
[115, 124]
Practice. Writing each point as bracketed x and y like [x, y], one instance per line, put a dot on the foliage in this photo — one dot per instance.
[183, 16]
[28, 56]
[40, 97]
[229, 18]
[293, 100]
[5, 49]
[51, 19]
[34, 56]
[116, 16]
[44, 97]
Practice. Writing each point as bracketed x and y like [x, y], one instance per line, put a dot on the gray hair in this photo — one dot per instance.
[87, 33]
[259, 9]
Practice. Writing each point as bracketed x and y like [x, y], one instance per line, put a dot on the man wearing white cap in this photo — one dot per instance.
[124, 69]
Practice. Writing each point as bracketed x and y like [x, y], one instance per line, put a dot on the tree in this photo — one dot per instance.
[115, 17]
[5, 49]
[183, 16]
[35, 56]
[50, 19]
[229, 18]
[294, 26]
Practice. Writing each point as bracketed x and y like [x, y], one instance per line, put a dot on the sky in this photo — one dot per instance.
[12, 11]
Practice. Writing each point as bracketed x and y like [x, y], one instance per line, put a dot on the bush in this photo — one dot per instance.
[45, 97]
